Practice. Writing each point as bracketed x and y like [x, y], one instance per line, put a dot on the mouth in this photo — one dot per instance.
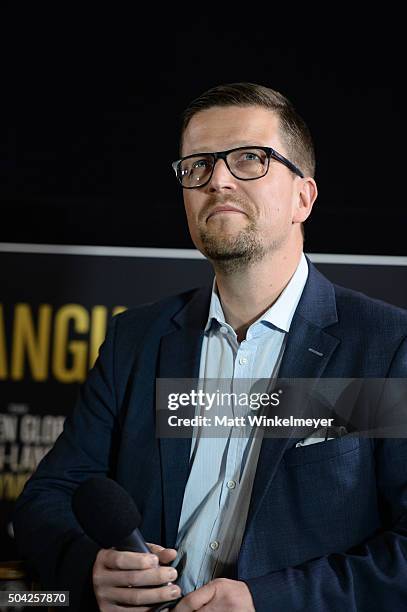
[224, 210]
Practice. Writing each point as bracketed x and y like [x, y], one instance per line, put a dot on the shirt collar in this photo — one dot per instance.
[280, 314]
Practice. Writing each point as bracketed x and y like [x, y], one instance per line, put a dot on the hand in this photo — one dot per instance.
[220, 595]
[115, 571]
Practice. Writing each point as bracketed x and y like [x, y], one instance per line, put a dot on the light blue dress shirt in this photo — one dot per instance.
[217, 462]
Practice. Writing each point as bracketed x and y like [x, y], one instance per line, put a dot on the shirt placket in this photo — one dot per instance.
[243, 360]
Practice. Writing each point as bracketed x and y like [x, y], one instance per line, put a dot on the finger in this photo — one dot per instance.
[139, 597]
[149, 577]
[165, 555]
[197, 599]
[123, 560]
[124, 608]
[114, 608]
[155, 548]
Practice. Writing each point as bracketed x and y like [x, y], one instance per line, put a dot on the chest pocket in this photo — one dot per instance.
[321, 451]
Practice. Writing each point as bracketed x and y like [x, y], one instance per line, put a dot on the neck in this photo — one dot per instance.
[249, 292]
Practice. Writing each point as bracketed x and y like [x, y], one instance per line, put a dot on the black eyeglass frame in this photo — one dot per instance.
[269, 151]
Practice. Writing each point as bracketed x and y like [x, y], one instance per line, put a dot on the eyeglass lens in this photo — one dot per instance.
[243, 164]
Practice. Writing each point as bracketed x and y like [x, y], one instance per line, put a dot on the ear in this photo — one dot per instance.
[306, 196]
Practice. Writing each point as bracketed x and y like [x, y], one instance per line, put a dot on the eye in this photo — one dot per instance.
[249, 156]
[199, 164]
[194, 166]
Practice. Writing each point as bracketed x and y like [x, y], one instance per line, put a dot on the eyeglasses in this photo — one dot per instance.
[244, 163]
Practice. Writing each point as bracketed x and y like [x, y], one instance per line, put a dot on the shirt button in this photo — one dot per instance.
[224, 330]
[231, 484]
[243, 360]
[214, 545]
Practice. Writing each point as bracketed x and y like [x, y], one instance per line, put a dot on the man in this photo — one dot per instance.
[277, 527]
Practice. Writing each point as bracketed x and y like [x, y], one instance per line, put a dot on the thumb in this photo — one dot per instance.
[165, 555]
[197, 599]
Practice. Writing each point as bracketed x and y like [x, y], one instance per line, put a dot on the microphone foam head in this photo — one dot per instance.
[105, 511]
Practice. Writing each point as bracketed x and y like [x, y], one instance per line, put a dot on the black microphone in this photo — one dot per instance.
[108, 515]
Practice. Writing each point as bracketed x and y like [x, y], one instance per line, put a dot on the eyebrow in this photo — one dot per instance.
[248, 143]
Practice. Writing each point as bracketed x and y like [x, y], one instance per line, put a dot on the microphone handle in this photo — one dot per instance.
[134, 543]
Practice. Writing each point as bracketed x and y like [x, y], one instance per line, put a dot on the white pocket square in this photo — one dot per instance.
[323, 435]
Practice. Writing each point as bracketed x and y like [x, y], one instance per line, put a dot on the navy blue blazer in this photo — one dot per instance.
[327, 524]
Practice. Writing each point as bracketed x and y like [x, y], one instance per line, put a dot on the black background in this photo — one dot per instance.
[93, 112]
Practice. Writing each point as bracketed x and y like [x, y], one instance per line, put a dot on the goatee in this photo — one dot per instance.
[232, 253]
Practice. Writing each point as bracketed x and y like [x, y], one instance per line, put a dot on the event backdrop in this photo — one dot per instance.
[56, 304]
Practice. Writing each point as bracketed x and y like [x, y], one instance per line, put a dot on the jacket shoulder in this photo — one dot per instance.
[149, 319]
[368, 310]
[373, 325]
[166, 307]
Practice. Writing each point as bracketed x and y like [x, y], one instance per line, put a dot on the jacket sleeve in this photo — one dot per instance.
[372, 576]
[47, 533]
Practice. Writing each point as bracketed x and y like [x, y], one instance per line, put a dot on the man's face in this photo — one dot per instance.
[267, 207]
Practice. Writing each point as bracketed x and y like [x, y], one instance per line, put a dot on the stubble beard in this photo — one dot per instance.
[232, 253]
[236, 251]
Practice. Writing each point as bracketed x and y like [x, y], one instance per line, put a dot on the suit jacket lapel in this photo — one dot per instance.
[180, 358]
[316, 311]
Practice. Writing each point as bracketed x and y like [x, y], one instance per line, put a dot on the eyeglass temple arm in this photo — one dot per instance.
[285, 161]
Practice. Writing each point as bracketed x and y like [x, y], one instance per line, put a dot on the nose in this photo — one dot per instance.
[221, 178]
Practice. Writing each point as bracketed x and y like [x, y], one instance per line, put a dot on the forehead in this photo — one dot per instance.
[220, 128]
